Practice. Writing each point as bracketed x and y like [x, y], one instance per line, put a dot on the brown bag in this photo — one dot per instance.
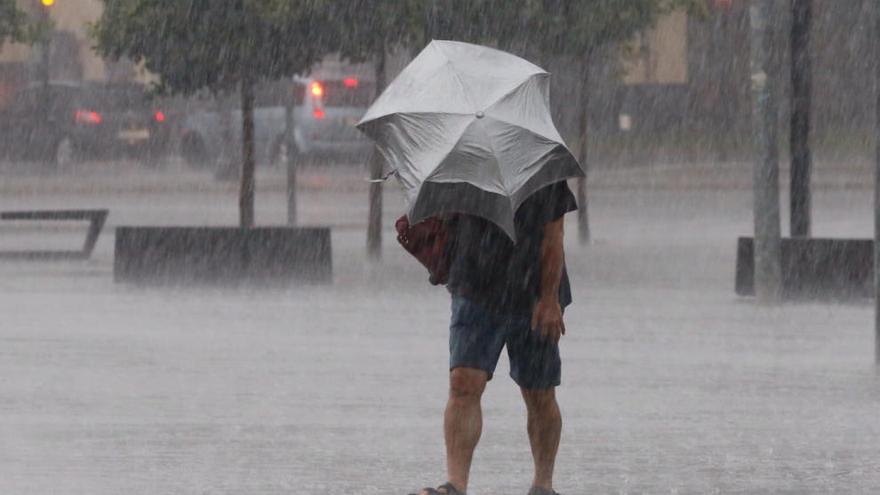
[426, 241]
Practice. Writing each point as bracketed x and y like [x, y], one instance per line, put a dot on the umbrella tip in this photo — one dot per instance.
[480, 115]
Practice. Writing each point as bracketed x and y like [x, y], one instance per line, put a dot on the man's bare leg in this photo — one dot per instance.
[545, 428]
[463, 422]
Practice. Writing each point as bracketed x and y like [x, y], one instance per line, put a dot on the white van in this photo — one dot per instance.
[326, 106]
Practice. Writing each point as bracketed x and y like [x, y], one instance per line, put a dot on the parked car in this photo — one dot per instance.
[325, 109]
[83, 120]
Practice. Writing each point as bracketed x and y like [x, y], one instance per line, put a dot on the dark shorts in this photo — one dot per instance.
[477, 335]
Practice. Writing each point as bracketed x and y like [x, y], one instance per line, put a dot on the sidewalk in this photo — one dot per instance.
[671, 384]
[128, 177]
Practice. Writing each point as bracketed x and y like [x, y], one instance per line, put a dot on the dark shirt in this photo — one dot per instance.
[487, 267]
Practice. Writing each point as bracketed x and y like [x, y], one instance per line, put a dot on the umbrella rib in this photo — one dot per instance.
[463, 87]
[406, 112]
[449, 151]
[455, 145]
[532, 131]
[515, 88]
[457, 79]
[556, 145]
[491, 143]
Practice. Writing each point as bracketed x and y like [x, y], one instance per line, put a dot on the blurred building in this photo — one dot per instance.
[659, 56]
[685, 85]
[71, 54]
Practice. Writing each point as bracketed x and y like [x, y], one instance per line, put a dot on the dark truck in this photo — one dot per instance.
[83, 121]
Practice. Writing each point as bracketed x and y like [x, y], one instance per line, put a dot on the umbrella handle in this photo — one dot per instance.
[382, 179]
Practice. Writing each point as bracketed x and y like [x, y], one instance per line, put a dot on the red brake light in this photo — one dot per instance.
[350, 82]
[317, 89]
[87, 117]
[318, 113]
[159, 116]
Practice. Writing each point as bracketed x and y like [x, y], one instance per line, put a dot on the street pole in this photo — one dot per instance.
[876, 12]
[801, 102]
[583, 217]
[768, 269]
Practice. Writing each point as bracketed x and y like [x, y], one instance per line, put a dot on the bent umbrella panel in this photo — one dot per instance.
[528, 106]
[438, 198]
[496, 156]
[413, 144]
[453, 77]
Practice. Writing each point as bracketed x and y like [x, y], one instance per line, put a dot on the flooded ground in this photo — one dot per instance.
[671, 383]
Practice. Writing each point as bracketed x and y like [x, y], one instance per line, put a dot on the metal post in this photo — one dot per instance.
[876, 12]
[584, 233]
[768, 269]
[801, 102]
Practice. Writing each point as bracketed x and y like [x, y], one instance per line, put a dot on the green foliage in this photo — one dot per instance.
[214, 44]
[365, 28]
[14, 25]
[562, 27]
[579, 27]
[195, 44]
[553, 27]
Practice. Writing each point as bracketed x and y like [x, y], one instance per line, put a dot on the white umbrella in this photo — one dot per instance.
[468, 129]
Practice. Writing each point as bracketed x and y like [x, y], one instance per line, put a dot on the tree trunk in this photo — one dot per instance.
[374, 221]
[246, 195]
[768, 271]
[228, 167]
[583, 148]
[801, 101]
[45, 68]
[291, 157]
[36, 136]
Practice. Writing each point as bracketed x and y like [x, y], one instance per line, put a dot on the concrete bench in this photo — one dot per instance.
[96, 219]
[814, 268]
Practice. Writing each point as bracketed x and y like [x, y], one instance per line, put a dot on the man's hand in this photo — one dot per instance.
[547, 314]
[547, 319]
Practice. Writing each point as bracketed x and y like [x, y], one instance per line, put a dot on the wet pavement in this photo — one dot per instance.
[671, 383]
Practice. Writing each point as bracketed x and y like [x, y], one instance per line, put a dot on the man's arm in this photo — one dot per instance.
[547, 314]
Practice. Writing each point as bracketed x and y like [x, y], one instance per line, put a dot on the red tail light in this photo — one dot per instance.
[350, 82]
[88, 117]
[159, 116]
[317, 91]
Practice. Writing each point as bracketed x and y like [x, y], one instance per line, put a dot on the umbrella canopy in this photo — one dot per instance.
[468, 129]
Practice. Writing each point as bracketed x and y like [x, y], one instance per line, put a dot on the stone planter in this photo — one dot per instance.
[814, 268]
[222, 255]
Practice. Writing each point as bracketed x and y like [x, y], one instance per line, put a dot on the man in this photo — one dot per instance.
[507, 294]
